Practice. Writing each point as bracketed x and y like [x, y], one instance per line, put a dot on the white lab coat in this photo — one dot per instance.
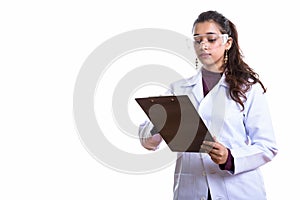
[248, 134]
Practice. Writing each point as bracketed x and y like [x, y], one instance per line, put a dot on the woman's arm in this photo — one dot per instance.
[262, 146]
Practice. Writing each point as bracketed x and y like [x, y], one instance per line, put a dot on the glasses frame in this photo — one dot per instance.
[224, 37]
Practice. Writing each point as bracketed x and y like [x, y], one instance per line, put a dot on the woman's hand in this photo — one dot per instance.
[217, 151]
[152, 142]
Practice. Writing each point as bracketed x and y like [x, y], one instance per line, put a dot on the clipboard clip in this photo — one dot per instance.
[153, 101]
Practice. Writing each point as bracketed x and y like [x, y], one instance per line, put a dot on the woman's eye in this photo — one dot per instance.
[211, 40]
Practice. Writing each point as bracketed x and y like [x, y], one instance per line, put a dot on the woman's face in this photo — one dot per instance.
[210, 44]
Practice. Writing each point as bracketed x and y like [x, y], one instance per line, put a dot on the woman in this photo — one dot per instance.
[231, 100]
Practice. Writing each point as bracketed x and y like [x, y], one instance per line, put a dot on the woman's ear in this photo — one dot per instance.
[228, 44]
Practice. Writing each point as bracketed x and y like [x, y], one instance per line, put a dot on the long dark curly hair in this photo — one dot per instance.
[239, 76]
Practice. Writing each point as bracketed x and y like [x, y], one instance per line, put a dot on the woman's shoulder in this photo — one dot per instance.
[256, 88]
[255, 93]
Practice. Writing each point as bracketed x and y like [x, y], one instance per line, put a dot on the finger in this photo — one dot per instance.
[211, 151]
[156, 138]
[219, 154]
[214, 153]
[209, 143]
[217, 160]
[206, 147]
[215, 138]
[215, 145]
[152, 142]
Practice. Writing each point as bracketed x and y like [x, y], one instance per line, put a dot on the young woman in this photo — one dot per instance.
[231, 100]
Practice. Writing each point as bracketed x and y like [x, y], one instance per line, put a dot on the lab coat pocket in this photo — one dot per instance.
[247, 185]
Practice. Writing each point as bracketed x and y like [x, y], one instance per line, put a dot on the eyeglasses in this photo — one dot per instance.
[211, 38]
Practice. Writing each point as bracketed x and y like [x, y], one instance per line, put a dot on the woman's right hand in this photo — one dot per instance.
[152, 142]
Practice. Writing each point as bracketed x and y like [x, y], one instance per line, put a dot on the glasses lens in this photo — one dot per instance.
[210, 38]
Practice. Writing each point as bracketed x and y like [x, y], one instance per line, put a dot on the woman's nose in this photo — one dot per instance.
[203, 45]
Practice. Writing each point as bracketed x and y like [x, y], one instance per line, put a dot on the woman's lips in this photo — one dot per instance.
[204, 55]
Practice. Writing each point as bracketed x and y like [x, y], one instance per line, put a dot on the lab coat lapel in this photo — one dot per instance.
[193, 88]
[197, 87]
[197, 90]
[212, 108]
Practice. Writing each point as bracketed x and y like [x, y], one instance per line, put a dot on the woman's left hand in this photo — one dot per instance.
[217, 151]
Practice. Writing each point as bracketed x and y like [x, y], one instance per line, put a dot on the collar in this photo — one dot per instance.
[196, 79]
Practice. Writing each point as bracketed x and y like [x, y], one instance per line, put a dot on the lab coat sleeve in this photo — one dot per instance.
[145, 132]
[259, 129]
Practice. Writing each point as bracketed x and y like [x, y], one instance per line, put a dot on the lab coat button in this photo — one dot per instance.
[203, 173]
[203, 198]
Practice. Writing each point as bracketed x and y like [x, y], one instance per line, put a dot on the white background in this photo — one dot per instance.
[43, 45]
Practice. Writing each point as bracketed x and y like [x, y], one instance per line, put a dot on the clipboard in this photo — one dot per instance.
[177, 121]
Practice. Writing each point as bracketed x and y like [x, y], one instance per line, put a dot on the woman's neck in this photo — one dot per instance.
[214, 68]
